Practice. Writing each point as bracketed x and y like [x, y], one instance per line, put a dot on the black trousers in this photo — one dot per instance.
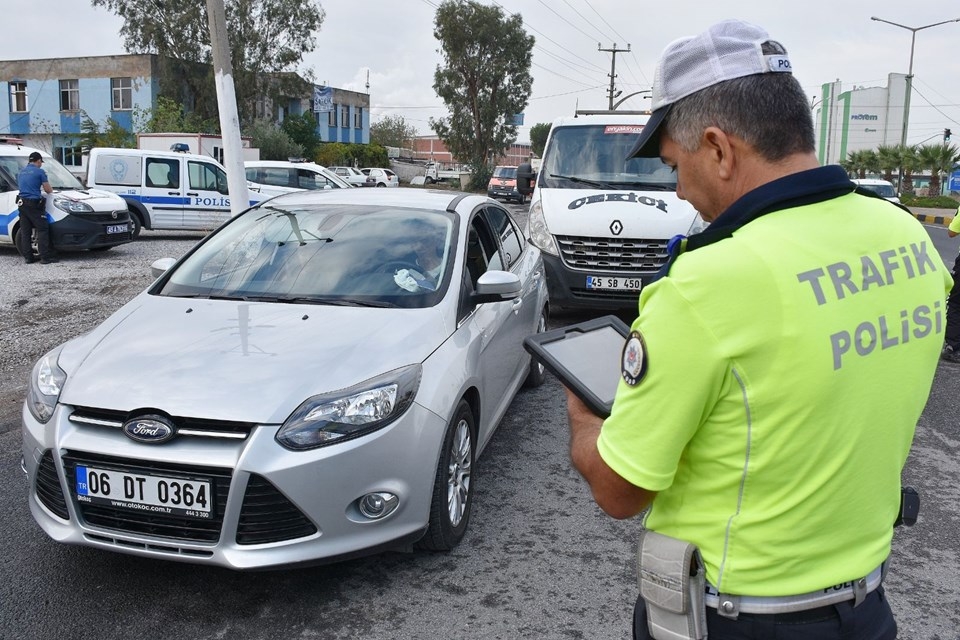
[952, 336]
[872, 620]
[33, 215]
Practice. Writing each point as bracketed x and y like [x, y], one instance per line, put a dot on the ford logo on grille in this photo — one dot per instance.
[149, 429]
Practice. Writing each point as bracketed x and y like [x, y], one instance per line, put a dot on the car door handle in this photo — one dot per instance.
[190, 193]
[517, 303]
[173, 193]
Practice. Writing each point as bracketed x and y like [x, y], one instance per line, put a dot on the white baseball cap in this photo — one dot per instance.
[727, 50]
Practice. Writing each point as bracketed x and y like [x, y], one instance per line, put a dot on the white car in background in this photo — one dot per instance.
[276, 177]
[883, 188]
[384, 177]
[354, 176]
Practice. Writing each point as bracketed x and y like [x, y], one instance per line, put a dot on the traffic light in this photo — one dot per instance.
[946, 135]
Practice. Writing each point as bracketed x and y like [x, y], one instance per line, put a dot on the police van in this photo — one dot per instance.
[602, 221]
[80, 219]
[165, 189]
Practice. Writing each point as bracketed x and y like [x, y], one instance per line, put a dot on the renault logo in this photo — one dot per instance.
[616, 227]
[149, 429]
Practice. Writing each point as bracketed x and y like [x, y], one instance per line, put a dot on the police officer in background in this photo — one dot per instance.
[32, 182]
[951, 347]
[774, 376]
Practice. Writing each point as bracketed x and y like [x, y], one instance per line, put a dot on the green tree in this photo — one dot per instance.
[888, 158]
[937, 159]
[302, 129]
[484, 81]
[274, 144]
[909, 162]
[392, 131]
[109, 133]
[169, 116]
[267, 38]
[538, 137]
[856, 164]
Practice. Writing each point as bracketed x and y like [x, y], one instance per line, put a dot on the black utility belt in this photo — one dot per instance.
[33, 200]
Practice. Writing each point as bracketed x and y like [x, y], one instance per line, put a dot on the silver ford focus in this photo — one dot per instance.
[313, 381]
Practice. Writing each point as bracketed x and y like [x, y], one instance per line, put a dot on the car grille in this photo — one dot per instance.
[48, 487]
[628, 298]
[114, 217]
[151, 523]
[186, 427]
[267, 515]
[613, 255]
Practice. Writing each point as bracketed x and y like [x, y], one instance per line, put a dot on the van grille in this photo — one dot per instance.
[613, 255]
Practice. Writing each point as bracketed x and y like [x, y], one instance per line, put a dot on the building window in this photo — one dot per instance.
[122, 89]
[332, 116]
[69, 95]
[358, 118]
[70, 156]
[18, 97]
[344, 116]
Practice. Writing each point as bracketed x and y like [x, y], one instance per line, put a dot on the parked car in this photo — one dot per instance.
[275, 177]
[882, 188]
[503, 184]
[354, 176]
[80, 218]
[249, 409]
[383, 177]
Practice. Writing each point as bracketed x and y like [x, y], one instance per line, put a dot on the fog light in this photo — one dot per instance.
[377, 505]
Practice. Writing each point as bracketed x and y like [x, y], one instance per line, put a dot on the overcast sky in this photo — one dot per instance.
[392, 42]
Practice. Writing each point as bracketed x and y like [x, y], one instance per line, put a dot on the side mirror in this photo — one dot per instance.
[496, 286]
[525, 177]
[161, 266]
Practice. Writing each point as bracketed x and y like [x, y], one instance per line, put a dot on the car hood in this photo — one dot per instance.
[595, 212]
[229, 360]
[97, 199]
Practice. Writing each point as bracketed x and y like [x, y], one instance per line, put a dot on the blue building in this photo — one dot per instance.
[46, 98]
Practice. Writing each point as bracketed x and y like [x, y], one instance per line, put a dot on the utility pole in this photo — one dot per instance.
[227, 107]
[611, 93]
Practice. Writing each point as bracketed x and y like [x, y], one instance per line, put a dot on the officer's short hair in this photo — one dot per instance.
[33, 157]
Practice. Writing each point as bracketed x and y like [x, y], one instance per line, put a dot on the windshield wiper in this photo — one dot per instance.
[324, 300]
[592, 183]
[650, 186]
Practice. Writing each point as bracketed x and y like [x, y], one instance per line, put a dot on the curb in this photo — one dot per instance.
[944, 220]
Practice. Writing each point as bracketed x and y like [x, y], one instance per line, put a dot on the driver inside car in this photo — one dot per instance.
[426, 263]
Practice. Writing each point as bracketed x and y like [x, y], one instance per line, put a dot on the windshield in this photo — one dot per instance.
[57, 174]
[592, 157]
[356, 255]
[505, 172]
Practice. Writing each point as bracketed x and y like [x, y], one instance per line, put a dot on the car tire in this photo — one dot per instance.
[136, 224]
[380, 184]
[34, 253]
[428, 180]
[538, 373]
[453, 484]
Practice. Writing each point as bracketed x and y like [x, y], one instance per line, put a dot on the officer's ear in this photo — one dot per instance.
[719, 148]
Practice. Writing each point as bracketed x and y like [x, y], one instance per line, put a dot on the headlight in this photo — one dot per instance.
[538, 232]
[71, 206]
[46, 382]
[697, 226]
[343, 415]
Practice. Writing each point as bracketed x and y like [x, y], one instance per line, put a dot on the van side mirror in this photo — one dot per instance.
[525, 178]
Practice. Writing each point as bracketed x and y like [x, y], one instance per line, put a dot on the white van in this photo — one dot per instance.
[883, 188]
[602, 222]
[80, 219]
[165, 189]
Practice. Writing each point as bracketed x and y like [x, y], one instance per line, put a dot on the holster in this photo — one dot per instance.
[672, 584]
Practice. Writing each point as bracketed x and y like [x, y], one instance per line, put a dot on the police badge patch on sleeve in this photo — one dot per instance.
[634, 359]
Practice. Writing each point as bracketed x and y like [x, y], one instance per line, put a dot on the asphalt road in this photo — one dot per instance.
[539, 561]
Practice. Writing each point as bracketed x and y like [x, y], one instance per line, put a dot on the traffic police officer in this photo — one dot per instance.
[951, 347]
[32, 182]
[774, 376]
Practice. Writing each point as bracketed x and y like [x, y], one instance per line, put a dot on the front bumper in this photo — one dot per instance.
[568, 287]
[77, 232]
[271, 507]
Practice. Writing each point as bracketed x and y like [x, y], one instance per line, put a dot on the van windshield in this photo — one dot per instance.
[507, 173]
[884, 190]
[591, 157]
[58, 175]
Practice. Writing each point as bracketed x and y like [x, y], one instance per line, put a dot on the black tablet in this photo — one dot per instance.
[586, 357]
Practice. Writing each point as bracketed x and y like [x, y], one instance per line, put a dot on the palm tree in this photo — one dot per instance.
[857, 163]
[939, 159]
[888, 157]
[908, 162]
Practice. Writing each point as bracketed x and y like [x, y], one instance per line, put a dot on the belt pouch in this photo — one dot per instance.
[672, 584]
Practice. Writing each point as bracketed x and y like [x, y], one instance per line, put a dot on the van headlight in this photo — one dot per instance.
[538, 232]
[71, 206]
[697, 226]
[350, 413]
[46, 382]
